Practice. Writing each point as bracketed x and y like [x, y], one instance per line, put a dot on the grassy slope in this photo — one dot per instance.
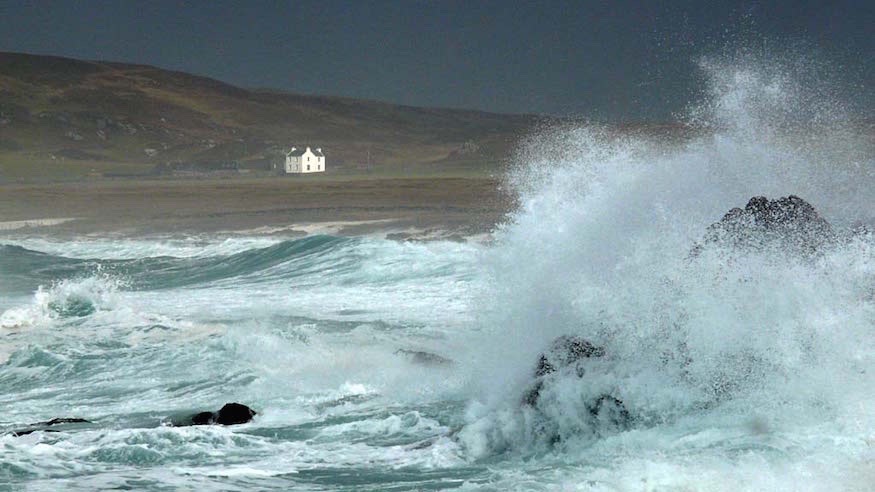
[63, 119]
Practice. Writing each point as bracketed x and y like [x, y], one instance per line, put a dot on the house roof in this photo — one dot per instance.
[299, 151]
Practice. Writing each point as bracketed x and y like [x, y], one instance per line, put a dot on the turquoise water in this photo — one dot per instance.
[305, 331]
[382, 365]
[318, 335]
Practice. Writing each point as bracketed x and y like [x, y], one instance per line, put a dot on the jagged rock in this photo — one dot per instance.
[565, 351]
[609, 409]
[565, 358]
[789, 224]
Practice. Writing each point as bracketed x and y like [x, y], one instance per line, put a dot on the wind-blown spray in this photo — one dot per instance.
[601, 248]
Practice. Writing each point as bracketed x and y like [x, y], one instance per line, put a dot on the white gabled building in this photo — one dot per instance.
[305, 160]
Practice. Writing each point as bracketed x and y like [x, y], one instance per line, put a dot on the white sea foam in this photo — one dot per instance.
[132, 248]
[313, 334]
[601, 248]
[31, 223]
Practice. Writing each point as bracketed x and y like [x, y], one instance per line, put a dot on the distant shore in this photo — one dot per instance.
[399, 208]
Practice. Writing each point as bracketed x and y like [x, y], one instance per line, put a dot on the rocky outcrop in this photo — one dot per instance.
[789, 225]
[564, 351]
[566, 357]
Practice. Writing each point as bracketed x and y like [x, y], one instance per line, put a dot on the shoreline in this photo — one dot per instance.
[14, 225]
[398, 208]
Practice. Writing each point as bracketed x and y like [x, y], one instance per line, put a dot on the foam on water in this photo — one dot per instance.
[310, 332]
[731, 364]
[123, 248]
[380, 365]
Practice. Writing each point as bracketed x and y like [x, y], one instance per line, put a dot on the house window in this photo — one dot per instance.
[308, 167]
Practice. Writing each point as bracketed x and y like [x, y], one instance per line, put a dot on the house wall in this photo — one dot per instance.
[310, 163]
[306, 163]
[293, 164]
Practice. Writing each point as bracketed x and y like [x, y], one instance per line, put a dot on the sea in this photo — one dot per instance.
[386, 365]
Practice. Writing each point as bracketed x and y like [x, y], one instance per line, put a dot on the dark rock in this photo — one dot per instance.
[789, 224]
[44, 426]
[610, 410]
[230, 414]
[424, 358]
[204, 418]
[566, 358]
[531, 396]
[234, 413]
[565, 351]
[24, 432]
[65, 421]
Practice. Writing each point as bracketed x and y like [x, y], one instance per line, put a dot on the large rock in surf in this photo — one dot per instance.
[565, 358]
[789, 225]
[230, 414]
[564, 351]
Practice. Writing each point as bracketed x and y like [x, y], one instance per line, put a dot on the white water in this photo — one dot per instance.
[308, 334]
[600, 248]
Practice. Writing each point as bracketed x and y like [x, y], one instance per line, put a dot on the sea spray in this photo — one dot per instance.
[68, 298]
[740, 370]
[600, 248]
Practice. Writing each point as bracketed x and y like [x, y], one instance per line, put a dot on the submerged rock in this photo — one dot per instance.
[229, 414]
[45, 426]
[424, 358]
[789, 224]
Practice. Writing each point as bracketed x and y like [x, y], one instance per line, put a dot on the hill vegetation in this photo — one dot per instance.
[66, 119]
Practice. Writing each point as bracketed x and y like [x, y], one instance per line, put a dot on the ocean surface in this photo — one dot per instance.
[384, 365]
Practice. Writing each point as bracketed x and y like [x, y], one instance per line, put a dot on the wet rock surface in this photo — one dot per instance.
[789, 225]
[229, 414]
[565, 358]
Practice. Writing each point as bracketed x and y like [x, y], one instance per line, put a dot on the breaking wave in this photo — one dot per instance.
[733, 348]
[385, 365]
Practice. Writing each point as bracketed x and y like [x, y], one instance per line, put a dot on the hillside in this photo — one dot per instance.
[64, 119]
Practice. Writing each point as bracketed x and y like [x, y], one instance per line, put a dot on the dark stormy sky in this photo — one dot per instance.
[605, 60]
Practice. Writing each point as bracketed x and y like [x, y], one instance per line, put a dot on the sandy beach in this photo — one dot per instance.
[402, 208]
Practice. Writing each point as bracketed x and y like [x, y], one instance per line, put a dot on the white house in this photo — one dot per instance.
[305, 160]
